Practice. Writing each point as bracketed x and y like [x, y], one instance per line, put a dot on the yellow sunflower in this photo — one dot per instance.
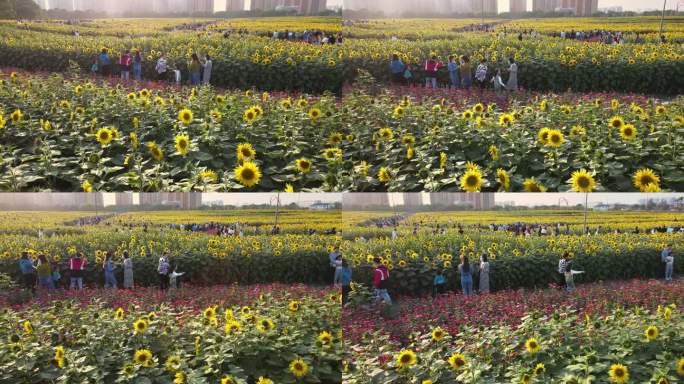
[245, 151]
[155, 151]
[406, 358]
[471, 181]
[104, 136]
[543, 135]
[233, 327]
[457, 361]
[263, 380]
[438, 334]
[386, 133]
[314, 114]
[616, 122]
[299, 367]
[680, 367]
[532, 185]
[140, 326]
[532, 345]
[539, 369]
[645, 177]
[265, 325]
[335, 139]
[185, 116]
[628, 132]
[506, 119]
[182, 144]
[303, 165]
[248, 174]
[228, 380]
[503, 179]
[651, 333]
[384, 175]
[618, 373]
[325, 338]
[143, 357]
[250, 115]
[173, 363]
[582, 181]
[555, 138]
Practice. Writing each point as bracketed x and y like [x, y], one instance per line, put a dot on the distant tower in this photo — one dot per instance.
[518, 6]
[412, 200]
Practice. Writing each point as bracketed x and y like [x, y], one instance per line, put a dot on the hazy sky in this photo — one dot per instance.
[303, 199]
[533, 199]
[220, 5]
[627, 5]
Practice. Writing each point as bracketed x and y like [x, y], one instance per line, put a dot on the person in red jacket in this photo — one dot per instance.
[431, 68]
[380, 281]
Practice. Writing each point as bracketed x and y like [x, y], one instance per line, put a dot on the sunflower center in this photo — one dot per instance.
[583, 182]
[646, 180]
[619, 372]
[471, 180]
[405, 358]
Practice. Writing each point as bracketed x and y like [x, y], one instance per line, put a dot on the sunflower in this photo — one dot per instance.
[506, 119]
[245, 152]
[303, 165]
[59, 353]
[134, 140]
[471, 181]
[628, 132]
[263, 380]
[582, 181]
[533, 185]
[645, 178]
[265, 325]
[457, 361]
[325, 338]
[293, 306]
[532, 345]
[104, 136]
[662, 380]
[618, 373]
[301, 103]
[443, 157]
[248, 174]
[478, 108]
[140, 326]
[335, 139]
[503, 179]
[386, 133]
[332, 154]
[398, 112]
[250, 115]
[182, 144]
[119, 314]
[577, 131]
[155, 151]
[651, 333]
[314, 114]
[539, 369]
[299, 368]
[680, 367]
[228, 380]
[384, 175]
[179, 378]
[209, 176]
[286, 103]
[555, 138]
[173, 363]
[543, 135]
[409, 153]
[86, 186]
[145, 93]
[493, 152]
[660, 109]
[526, 379]
[232, 327]
[143, 357]
[468, 114]
[438, 334]
[131, 96]
[128, 370]
[209, 312]
[616, 122]
[406, 358]
[64, 104]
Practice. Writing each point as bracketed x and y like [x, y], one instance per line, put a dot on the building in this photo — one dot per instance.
[488, 7]
[235, 5]
[351, 201]
[124, 199]
[312, 7]
[545, 6]
[413, 200]
[201, 6]
[192, 200]
[518, 6]
[479, 201]
[321, 206]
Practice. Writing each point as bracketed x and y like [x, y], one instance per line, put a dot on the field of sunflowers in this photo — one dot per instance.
[239, 61]
[630, 332]
[515, 261]
[545, 63]
[79, 135]
[206, 259]
[229, 335]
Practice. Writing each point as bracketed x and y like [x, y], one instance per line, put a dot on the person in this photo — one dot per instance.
[408, 75]
[28, 272]
[161, 68]
[194, 67]
[56, 276]
[431, 68]
[512, 84]
[94, 67]
[453, 72]
[206, 76]
[338, 270]
[125, 65]
[45, 273]
[397, 68]
[76, 266]
[128, 271]
[333, 260]
[669, 266]
[666, 252]
[110, 279]
[484, 273]
[466, 277]
[137, 66]
[464, 71]
[345, 280]
[438, 283]
[481, 74]
[175, 277]
[104, 62]
[498, 82]
[565, 269]
[177, 74]
[163, 271]
[380, 281]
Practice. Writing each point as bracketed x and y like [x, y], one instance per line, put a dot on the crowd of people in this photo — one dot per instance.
[461, 73]
[51, 275]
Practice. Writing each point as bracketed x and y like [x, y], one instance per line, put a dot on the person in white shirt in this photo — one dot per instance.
[206, 76]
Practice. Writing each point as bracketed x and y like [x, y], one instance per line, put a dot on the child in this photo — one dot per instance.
[174, 279]
[669, 266]
[498, 82]
[408, 75]
[345, 281]
[177, 74]
[337, 279]
[438, 283]
[94, 67]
